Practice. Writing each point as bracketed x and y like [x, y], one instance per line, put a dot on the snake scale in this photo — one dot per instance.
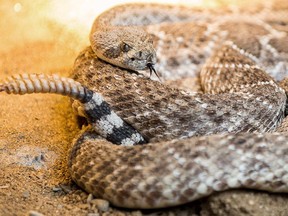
[171, 145]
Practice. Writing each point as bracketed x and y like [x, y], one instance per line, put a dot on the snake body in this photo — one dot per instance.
[183, 161]
[238, 97]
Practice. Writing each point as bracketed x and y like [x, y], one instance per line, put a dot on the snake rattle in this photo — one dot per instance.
[150, 145]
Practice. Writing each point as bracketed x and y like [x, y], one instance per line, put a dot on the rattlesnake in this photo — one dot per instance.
[183, 161]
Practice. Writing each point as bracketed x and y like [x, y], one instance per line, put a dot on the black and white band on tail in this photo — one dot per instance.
[108, 124]
[98, 112]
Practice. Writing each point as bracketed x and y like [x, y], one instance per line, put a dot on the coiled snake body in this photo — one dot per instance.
[181, 162]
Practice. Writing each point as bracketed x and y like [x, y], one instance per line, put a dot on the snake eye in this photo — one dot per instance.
[125, 47]
[150, 40]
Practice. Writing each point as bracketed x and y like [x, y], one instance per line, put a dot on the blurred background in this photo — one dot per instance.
[27, 20]
[52, 32]
[45, 37]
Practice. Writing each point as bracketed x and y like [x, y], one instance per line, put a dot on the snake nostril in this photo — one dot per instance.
[132, 59]
[150, 58]
[140, 54]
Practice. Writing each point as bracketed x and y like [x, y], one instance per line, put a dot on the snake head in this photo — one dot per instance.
[126, 47]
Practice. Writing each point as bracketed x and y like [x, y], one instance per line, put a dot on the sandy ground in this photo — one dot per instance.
[36, 132]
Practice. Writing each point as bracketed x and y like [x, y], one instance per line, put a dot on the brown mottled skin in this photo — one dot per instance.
[128, 97]
[238, 96]
[199, 143]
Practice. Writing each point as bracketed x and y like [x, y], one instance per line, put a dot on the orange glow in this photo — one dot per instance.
[35, 20]
[38, 20]
[81, 13]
